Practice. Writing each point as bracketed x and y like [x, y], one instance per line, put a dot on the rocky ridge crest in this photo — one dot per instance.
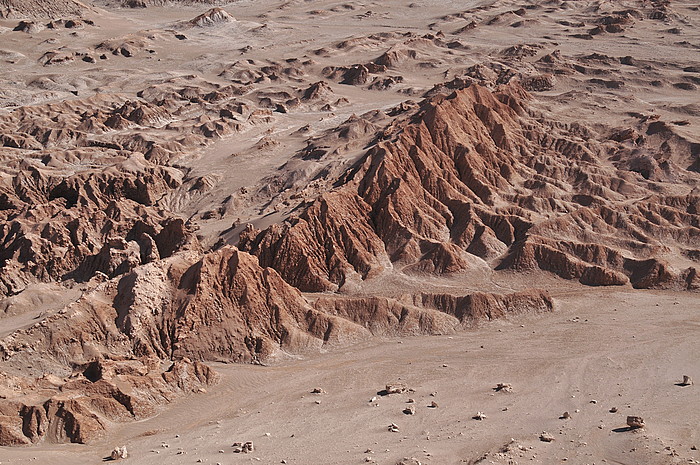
[477, 178]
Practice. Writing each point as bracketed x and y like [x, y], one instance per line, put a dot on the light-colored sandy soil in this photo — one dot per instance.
[600, 349]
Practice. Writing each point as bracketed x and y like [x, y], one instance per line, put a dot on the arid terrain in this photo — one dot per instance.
[209, 210]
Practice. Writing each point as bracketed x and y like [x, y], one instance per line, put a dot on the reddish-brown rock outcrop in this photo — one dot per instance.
[476, 173]
[83, 181]
[426, 313]
[101, 359]
[80, 407]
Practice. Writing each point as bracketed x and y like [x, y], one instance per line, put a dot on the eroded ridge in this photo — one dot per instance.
[474, 178]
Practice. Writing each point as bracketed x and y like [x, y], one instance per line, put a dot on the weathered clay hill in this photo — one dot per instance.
[467, 179]
[127, 346]
[82, 181]
[475, 177]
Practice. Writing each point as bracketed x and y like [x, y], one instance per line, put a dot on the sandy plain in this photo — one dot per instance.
[601, 349]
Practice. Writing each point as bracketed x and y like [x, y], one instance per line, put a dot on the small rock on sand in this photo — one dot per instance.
[410, 410]
[408, 461]
[546, 437]
[119, 453]
[687, 381]
[243, 447]
[395, 388]
[503, 387]
[634, 421]
[479, 416]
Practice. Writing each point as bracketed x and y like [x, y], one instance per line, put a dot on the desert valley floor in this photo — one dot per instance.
[600, 350]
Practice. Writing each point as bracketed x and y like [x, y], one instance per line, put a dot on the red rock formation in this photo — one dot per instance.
[88, 222]
[223, 306]
[83, 197]
[427, 313]
[110, 345]
[213, 17]
[469, 180]
[477, 307]
[235, 310]
[80, 409]
[476, 173]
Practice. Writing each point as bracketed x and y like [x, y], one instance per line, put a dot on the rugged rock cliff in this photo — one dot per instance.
[137, 341]
[476, 175]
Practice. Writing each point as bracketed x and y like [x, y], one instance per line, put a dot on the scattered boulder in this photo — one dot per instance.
[546, 437]
[243, 447]
[28, 27]
[408, 461]
[396, 388]
[687, 381]
[635, 422]
[410, 410]
[479, 416]
[318, 391]
[73, 24]
[433, 404]
[394, 428]
[565, 416]
[119, 453]
[503, 387]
